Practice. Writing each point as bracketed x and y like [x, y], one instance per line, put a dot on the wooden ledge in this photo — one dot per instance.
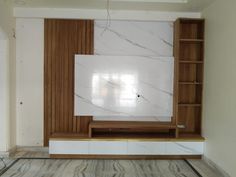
[180, 139]
[125, 157]
[130, 124]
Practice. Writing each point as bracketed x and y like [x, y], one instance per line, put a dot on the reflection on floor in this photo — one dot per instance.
[22, 164]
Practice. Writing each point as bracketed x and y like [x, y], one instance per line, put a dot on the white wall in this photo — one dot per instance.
[7, 83]
[219, 114]
[29, 61]
[4, 91]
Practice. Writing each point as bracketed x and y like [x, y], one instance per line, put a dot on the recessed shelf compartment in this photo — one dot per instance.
[190, 118]
[191, 51]
[190, 73]
[130, 129]
[192, 29]
[190, 94]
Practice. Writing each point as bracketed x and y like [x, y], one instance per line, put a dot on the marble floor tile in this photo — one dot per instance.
[206, 170]
[99, 168]
[102, 168]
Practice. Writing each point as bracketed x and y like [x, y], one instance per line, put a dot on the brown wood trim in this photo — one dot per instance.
[126, 157]
[176, 77]
[86, 138]
[63, 38]
[130, 124]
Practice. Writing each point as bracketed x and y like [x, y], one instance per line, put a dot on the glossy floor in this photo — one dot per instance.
[25, 166]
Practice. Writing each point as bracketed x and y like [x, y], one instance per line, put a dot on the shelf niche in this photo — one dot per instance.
[189, 66]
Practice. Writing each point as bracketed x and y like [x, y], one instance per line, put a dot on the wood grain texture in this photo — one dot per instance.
[127, 128]
[189, 54]
[64, 39]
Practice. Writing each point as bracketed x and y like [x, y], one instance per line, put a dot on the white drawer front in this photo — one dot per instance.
[184, 148]
[68, 147]
[146, 148]
[108, 147]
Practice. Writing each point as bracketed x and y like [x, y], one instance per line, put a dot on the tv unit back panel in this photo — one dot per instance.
[124, 88]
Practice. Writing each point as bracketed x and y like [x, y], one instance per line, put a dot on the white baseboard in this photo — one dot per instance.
[8, 153]
[32, 148]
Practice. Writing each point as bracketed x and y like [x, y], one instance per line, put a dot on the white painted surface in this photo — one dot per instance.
[70, 147]
[219, 113]
[146, 148]
[108, 147]
[187, 148]
[4, 91]
[70, 13]
[29, 61]
[7, 72]
[126, 147]
[124, 87]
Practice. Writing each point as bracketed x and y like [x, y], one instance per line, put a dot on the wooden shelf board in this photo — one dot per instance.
[130, 124]
[189, 105]
[69, 135]
[190, 62]
[191, 40]
[191, 136]
[182, 137]
[190, 83]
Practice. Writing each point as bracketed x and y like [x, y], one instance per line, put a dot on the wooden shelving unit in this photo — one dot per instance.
[189, 63]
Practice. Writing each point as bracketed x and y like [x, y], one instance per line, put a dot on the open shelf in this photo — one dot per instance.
[190, 94]
[189, 117]
[189, 55]
[191, 40]
[191, 51]
[190, 62]
[190, 73]
[190, 83]
[127, 128]
[191, 29]
[189, 104]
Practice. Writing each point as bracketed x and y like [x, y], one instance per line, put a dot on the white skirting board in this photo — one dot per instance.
[125, 147]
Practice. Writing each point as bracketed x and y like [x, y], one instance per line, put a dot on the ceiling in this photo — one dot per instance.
[190, 6]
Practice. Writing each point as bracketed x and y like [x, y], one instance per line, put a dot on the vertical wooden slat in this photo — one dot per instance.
[92, 37]
[56, 64]
[54, 34]
[79, 50]
[46, 85]
[75, 50]
[64, 39]
[176, 77]
[70, 90]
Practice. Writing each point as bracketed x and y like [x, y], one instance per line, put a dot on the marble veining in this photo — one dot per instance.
[149, 94]
[124, 87]
[99, 168]
[167, 168]
[134, 38]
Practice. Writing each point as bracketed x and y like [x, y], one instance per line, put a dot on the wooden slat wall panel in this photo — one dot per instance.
[64, 39]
